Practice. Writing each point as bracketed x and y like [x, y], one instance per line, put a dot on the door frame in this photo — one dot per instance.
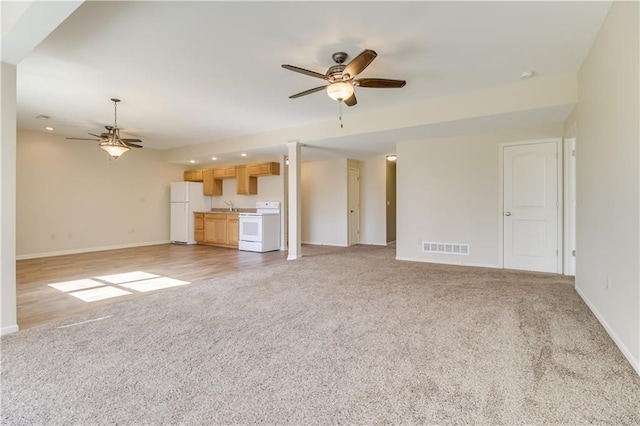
[560, 166]
[350, 242]
[570, 160]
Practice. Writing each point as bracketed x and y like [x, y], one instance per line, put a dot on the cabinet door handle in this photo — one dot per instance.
[507, 214]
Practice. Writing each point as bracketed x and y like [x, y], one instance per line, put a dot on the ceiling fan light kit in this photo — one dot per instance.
[340, 91]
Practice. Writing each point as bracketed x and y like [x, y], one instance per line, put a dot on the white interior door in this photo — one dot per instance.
[530, 207]
[354, 206]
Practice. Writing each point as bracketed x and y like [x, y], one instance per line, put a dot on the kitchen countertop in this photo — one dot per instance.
[226, 210]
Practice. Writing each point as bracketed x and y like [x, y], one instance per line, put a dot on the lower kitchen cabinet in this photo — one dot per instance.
[232, 230]
[198, 226]
[215, 228]
[219, 229]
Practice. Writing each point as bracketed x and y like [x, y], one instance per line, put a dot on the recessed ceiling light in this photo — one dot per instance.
[49, 128]
[192, 161]
[527, 75]
[43, 117]
[214, 158]
[391, 157]
[244, 154]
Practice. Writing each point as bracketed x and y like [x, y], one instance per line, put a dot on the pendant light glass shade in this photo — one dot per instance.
[340, 91]
[115, 149]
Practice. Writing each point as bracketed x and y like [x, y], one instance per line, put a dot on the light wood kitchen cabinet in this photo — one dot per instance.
[224, 172]
[192, 176]
[264, 169]
[215, 228]
[245, 184]
[211, 185]
[233, 230]
[198, 226]
[219, 229]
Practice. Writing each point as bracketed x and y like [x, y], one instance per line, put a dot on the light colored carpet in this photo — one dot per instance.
[352, 336]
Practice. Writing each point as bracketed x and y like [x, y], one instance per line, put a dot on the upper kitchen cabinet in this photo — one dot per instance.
[210, 185]
[264, 169]
[245, 184]
[193, 176]
[224, 172]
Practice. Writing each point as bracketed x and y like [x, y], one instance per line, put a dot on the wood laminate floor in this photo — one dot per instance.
[38, 302]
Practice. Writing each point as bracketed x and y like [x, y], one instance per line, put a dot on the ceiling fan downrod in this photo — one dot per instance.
[115, 111]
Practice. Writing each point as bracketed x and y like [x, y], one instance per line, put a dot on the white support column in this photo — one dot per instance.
[295, 210]
[8, 308]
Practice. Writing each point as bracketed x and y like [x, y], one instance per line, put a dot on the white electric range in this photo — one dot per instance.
[260, 231]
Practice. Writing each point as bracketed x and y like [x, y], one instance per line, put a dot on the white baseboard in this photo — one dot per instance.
[635, 363]
[323, 244]
[448, 262]
[8, 330]
[88, 250]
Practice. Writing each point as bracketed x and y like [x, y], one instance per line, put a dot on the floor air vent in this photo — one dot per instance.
[445, 248]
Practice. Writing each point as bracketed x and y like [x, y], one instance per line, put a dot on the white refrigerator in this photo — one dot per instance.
[186, 198]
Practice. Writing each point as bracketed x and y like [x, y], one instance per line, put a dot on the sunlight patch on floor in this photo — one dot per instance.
[109, 286]
[127, 277]
[100, 293]
[68, 286]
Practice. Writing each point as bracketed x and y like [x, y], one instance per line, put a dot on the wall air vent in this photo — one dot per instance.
[445, 248]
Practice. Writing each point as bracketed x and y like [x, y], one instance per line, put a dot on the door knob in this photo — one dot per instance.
[507, 213]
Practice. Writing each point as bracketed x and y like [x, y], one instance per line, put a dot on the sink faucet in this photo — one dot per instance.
[230, 204]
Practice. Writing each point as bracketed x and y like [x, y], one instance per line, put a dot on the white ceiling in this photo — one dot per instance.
[197, 72]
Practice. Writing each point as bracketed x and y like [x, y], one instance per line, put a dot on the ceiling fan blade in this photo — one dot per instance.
[380, 83]
[307, 92]
[131, 145]
[351, 100]
[131, 140]
[84, 139]
[305, 72]
[359, 63]
[97, 136]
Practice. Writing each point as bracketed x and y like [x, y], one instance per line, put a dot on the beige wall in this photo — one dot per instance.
[270, 188]
[448, 191]
[324, 202]
[608, 180]
[372, 201]
[72, 198]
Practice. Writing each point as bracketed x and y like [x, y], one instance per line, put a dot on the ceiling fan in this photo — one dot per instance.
[111, 140]
[341, 79]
